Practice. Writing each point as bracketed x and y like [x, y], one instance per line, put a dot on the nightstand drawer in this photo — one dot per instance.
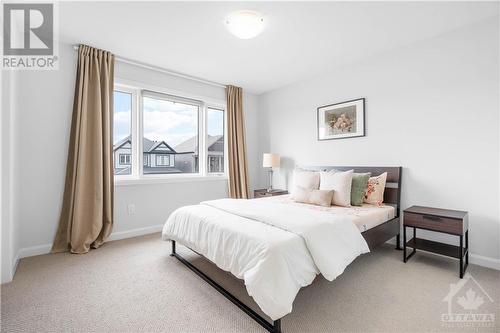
[432, 222]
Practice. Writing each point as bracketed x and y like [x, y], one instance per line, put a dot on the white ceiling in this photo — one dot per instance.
[301, 39]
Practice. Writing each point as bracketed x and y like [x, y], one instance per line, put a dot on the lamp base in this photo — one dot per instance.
[270, 188]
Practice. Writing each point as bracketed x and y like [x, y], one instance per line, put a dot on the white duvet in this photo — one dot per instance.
[275, 248]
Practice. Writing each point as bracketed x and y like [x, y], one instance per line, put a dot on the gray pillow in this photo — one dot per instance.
[358, 188]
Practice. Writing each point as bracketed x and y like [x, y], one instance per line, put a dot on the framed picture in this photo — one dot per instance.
[342, 120]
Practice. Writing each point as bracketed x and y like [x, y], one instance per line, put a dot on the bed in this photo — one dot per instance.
[278, 246]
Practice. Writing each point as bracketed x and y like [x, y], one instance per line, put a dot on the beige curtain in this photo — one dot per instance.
[87, 213]
[238, 170]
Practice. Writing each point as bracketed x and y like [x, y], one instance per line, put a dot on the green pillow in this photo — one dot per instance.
[358, 188]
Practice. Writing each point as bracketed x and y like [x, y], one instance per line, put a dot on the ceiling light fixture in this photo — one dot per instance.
[245, 24]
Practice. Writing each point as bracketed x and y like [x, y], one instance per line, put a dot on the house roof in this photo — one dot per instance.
[122, 142]
[157, 144]
[147, 145]
[191, 144]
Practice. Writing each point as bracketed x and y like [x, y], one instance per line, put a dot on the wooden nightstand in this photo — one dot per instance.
[447, 221]
[262, 193]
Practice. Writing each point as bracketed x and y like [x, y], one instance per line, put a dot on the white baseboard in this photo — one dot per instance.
[33, 251]
[7, 279]
[14, 265]
[44, 249]
[135, 232]
[485, 261]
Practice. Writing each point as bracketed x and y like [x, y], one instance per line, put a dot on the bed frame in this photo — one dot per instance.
[374, 236]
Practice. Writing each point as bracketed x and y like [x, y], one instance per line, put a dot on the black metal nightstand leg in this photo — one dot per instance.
[460, 253]
[415, 243]
[467, 248]
[466, 252]
[404, 243]
[414, 250]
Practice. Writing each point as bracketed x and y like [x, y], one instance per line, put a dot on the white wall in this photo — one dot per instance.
[431, 107]
[44, 102]
[9, 231]
[256, 143]
[44, 106]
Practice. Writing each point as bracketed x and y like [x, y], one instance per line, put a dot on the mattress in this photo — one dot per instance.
[365, 217]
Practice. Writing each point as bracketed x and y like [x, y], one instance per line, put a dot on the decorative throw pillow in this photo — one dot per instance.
[340, 183]
[314, 197]
[305, 179]
[375, 191]
[358, 188]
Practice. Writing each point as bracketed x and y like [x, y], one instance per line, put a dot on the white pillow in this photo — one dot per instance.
[374, 193]
[305, 179]
[340, 183]
[313, 197]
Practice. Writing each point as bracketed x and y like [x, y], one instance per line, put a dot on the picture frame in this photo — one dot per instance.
[341, 120]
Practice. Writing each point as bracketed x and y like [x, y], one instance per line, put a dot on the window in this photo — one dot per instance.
[125, 159]
[171, 125]
[165, 160]
[122, 132]
[178, 135]
[215, 140]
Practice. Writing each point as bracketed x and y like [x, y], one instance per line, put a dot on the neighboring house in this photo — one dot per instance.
[215, 158]
[158, 158]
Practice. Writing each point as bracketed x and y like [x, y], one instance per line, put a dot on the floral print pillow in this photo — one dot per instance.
[374, 193]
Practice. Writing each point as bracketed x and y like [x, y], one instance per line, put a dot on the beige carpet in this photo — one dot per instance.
[134, 286]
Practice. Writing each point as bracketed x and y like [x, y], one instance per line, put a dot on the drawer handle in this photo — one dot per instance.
[432, 218]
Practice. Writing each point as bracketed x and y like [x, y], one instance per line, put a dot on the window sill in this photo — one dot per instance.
[167, 180]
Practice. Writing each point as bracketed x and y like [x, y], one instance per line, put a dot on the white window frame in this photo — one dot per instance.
[132, 92]
[223, 109]
[137, 176]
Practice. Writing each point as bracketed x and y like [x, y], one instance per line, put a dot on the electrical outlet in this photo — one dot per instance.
[131, 209]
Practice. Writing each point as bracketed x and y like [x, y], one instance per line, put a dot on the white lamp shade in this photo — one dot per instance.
[270, 160]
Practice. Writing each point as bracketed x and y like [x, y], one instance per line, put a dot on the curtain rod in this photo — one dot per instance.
[163, 70]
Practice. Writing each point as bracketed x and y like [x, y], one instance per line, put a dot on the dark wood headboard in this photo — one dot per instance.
[392, 192]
